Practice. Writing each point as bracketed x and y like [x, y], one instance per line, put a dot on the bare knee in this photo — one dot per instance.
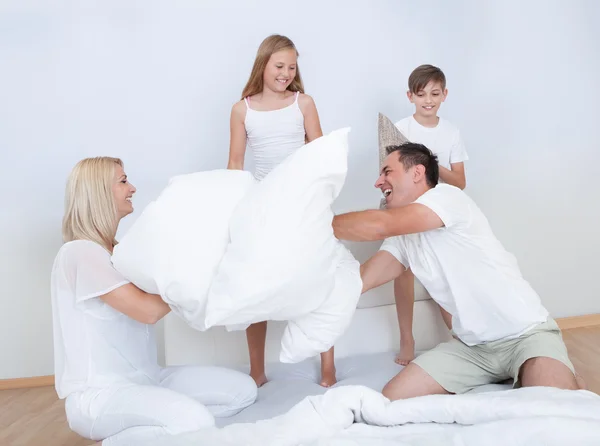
[547, 372]
[411, 382]
[387, 393]
[391, 390]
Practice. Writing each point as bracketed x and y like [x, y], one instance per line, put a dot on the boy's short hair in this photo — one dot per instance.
[424, 74]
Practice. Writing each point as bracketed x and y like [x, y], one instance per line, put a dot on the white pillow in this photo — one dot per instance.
[282, 259]
[318, 330]
[175, 246]
[224, 249]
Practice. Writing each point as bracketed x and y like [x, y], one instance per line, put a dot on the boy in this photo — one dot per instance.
[427, 90]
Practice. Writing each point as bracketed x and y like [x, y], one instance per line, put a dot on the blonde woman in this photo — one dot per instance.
[104, 341]
[274, 118]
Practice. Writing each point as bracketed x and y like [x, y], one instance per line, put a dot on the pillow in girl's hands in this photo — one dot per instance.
[174, 247]
[223, 249]
[282, 258]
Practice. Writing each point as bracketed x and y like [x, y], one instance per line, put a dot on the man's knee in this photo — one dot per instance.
[548, 372]
[411, 382]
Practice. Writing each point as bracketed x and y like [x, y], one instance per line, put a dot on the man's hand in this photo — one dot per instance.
[379, 269]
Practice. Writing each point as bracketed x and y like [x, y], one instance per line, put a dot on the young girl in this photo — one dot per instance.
[274, 118]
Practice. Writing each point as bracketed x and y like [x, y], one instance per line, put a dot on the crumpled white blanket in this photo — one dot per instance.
[357, 415]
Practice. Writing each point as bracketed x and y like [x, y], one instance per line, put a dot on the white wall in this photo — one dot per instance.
[153, 82]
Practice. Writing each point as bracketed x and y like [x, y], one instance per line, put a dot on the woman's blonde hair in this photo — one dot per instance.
[90, 209]
[268, 47]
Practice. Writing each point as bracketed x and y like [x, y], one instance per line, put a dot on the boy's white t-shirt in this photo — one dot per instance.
[94, 344]
[443, 140]
[467, 271]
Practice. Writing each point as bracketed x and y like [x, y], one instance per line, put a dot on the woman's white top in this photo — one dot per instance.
[273, 135]
[94, 344]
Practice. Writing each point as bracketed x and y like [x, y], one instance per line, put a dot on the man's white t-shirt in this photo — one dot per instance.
[95, 345]
[443, 140]
[467, 271]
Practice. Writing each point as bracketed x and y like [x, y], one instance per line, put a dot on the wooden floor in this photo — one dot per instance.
[33, 417]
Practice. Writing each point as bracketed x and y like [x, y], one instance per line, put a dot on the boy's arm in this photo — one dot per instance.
[372, 225]
[458, 155]
[455, 175]
[380, 269]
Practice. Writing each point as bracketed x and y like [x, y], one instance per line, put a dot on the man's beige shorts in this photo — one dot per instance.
[459, 368]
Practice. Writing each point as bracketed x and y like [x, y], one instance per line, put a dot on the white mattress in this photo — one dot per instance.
[290, 383]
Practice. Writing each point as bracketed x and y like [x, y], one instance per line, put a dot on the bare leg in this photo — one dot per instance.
[411, 382]
[547, 372]
[404, 295]
[256, 335]
[328, 378]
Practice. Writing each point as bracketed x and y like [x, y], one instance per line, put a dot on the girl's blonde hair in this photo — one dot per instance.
[90, 209]
[269, 46]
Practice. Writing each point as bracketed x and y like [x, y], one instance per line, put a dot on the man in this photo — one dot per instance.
[501, 330]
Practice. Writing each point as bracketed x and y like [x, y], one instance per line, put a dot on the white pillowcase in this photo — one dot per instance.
[283, 256]
[318, 330]
[175, 246]
[224, 249]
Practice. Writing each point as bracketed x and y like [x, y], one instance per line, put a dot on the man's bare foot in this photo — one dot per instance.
[259, 378]
[407, 353]
[328, 378]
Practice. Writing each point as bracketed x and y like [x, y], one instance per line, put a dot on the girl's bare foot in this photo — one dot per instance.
[328, 378]
[407, 352]
[259, 378]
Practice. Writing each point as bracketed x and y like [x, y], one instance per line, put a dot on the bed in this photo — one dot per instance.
[292, 409]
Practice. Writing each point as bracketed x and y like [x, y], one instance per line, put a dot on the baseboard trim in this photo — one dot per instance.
[565, 323]
[587, 320]
[26, 383]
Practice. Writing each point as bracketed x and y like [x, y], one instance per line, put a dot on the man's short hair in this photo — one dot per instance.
[412, 154]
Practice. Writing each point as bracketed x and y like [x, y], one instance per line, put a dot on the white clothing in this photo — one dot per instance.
[187, 399]
[106, 362]
[443, 140]
[89, 335]
[273, 135]
[467, 271]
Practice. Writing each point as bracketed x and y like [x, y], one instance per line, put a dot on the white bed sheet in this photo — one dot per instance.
[350, 414]
[291, 383]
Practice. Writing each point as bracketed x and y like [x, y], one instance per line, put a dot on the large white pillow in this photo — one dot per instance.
[224, 249]
[175, 246]
[282, 259]
[318, 330]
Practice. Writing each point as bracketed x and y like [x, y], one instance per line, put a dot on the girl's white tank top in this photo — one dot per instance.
[273, 135]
